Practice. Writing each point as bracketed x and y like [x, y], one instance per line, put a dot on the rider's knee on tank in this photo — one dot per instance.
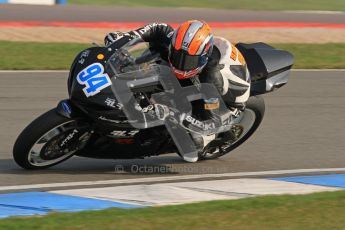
[237, 97]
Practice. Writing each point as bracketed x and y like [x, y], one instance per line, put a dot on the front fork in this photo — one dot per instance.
[66, 109]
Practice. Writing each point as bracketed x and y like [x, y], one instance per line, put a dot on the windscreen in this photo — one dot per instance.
[135, 56]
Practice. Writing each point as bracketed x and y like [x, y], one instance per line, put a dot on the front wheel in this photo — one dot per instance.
[250, 120]
[49, 140]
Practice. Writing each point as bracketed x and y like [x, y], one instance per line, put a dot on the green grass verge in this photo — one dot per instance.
[316, 56]
[28, 56]
[227, 4]
[315, 211]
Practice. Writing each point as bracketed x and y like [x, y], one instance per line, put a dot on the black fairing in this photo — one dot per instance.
[269, 67]
[76, 90]
[94, 106]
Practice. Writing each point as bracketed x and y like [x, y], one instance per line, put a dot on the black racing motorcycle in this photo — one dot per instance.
[110, 114]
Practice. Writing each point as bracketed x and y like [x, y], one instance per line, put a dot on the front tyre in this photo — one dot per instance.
[49, 140]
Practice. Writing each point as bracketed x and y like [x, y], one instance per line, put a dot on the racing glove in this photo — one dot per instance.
[113, 37]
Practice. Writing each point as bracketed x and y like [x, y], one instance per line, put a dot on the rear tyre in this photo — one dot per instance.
[49, 140]
[256, 109]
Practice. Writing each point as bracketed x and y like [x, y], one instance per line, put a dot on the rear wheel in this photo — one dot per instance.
[250, 120]
[49, 140]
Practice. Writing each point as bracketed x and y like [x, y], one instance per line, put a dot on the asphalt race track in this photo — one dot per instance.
[303, 128]
[147, 14]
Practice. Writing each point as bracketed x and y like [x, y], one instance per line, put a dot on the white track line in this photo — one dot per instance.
[318, 70]
[170, 178]
[66, 71]
[313, 12]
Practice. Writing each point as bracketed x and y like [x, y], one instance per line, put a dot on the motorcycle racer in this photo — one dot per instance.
[191, 51]
[194, 55]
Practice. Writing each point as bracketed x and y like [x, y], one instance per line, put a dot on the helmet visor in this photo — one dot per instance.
[181, 60]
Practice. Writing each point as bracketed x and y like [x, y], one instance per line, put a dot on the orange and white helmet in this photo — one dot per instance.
[191, 45]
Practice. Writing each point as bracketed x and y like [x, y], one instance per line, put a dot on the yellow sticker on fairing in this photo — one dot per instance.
[100, 56]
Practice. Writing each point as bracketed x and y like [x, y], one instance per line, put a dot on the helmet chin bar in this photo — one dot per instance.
[186, 74]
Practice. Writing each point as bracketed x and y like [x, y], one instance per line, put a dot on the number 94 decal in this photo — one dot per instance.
[94, 79]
